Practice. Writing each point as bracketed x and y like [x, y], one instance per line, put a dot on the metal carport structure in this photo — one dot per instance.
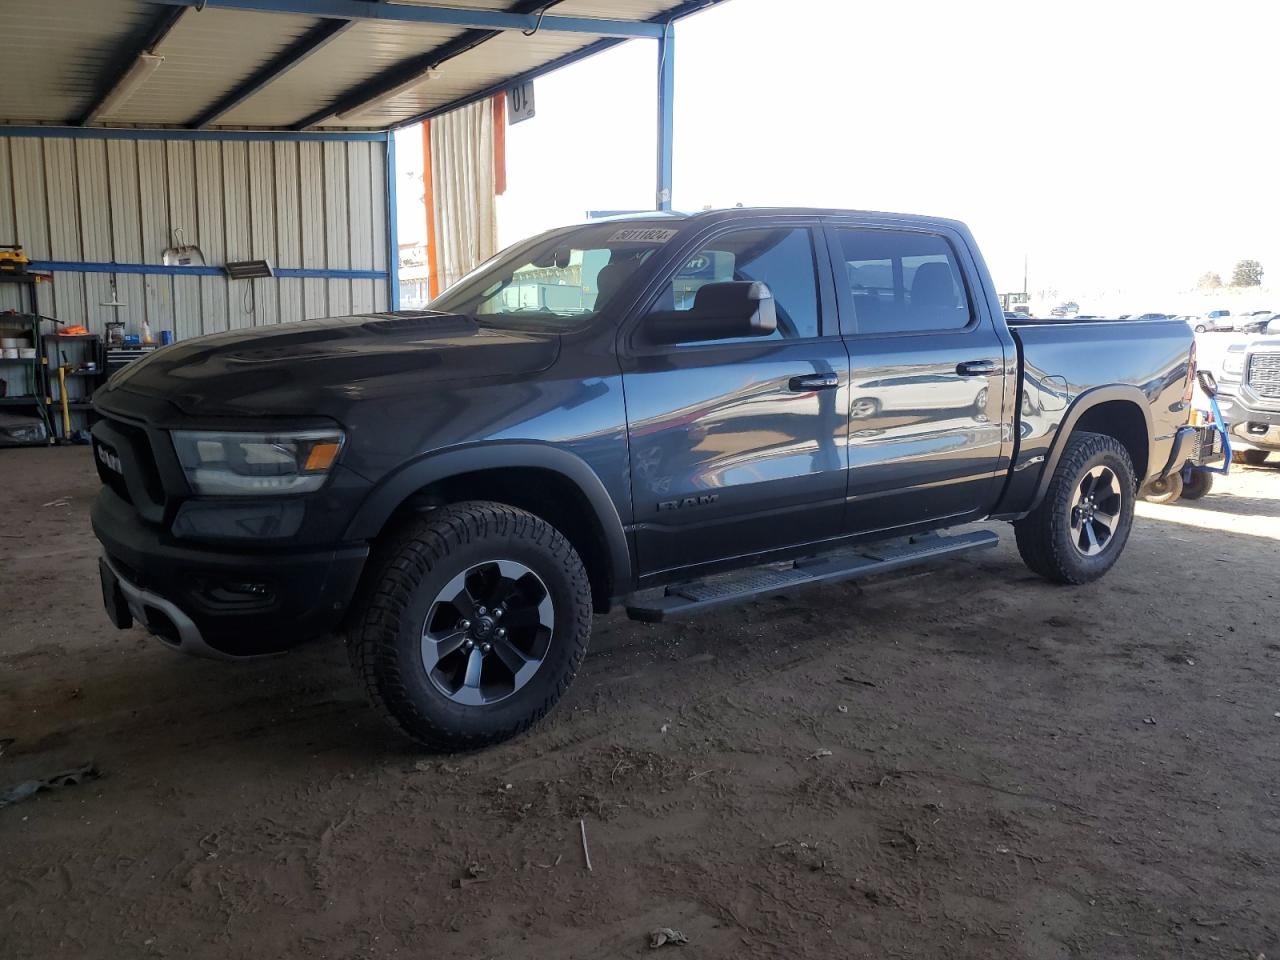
[259, 129]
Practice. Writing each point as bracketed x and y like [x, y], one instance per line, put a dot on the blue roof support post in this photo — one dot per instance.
[393, 231]
[666, 112]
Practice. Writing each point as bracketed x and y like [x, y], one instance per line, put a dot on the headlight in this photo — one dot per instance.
[1233, 364]
[252, 464]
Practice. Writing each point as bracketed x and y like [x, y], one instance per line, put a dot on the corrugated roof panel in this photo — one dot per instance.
[55, 55]
[363, 51]
[614, 9]
[503, 56]
[607, 9]
[472, 4]
[205, 55]
[60, 55]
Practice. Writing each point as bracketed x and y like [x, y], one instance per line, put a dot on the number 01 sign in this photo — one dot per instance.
[519, 102]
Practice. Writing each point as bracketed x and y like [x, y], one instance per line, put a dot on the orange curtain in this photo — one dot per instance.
[433, 267]
[499, 144]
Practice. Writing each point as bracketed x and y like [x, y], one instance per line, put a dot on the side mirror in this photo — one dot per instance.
[721, 311]
[1207, 382]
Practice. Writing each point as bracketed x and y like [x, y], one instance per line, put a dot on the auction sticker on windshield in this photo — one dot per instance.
[643, 235]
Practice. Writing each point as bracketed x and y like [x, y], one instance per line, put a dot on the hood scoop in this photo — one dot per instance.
[403, 321]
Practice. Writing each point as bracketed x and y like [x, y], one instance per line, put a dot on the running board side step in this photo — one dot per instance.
[755, 583]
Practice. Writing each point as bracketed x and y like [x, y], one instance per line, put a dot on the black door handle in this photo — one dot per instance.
[976, 368]
[814, 381]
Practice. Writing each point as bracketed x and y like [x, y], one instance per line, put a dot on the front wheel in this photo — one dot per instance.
[1166, 490]
[1200, 329]
[1078, 531]
[475, 620]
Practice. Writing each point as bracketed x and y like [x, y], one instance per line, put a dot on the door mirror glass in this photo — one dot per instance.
[721, 311]
[1207, 382]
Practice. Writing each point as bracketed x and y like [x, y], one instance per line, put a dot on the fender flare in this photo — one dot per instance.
[408, 479]
[1079, 407]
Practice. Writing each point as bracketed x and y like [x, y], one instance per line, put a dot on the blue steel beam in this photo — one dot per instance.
[157, 30]
[179, 133]
[165, 270]
[393, 229]
[446, 16]
[666, 114]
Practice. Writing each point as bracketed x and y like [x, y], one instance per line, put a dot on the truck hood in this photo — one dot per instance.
[325, 366]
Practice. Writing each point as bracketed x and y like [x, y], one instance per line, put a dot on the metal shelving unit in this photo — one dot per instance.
[80, 383]
[26, 324]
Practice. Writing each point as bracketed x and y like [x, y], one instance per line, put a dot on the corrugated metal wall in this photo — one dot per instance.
[312, 205]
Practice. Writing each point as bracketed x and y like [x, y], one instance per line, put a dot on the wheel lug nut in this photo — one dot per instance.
[500, 632]
[469, 645]
[482, 611]
[485, 648]
[497, 613]
[464, 624]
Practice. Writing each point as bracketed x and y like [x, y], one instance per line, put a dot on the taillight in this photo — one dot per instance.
[1189, 392]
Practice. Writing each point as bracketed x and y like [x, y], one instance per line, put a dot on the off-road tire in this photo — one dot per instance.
[406, 572]
[1168, 490]
[1250, 458]
[1201, 482]
[1044, 535]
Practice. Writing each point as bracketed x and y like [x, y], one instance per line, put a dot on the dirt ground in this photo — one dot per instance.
[963, 762]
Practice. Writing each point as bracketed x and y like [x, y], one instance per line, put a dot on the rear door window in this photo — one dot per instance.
[902, 281]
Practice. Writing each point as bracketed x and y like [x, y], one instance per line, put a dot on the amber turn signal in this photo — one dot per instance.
[321, 456]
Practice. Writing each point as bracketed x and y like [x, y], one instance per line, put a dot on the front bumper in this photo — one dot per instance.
[215, 602]
[1252, 426]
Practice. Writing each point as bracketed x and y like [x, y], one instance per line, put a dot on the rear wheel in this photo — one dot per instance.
[1201, 482]
[1250, 458]
[1078, 531]
[475, 621]
[1200, 328]
[1167, 490]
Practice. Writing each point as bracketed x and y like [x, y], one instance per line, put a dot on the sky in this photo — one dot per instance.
[1123, 148]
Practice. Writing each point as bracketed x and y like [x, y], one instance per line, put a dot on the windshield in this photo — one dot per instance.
[557, 281]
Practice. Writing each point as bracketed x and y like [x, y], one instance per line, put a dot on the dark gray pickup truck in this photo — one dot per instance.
[666, 412]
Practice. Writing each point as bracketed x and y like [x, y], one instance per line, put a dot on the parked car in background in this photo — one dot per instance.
[1249, 396]
[1222, 319]
[1255, 322]
[1147, 316]
[1202, 323]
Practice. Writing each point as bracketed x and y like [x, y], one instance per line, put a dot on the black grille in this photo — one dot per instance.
[124, 445]
[111, 479]
[1264, 374]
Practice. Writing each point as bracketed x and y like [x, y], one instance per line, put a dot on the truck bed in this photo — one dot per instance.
[1061, 360]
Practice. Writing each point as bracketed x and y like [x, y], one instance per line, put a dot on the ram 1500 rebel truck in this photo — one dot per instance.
[665, 412]
[1249, 397]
